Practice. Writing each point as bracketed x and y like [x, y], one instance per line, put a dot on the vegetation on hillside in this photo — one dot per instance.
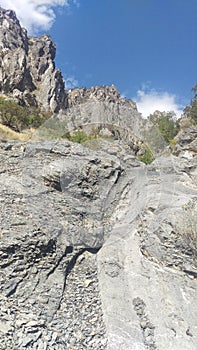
[164, 128]
[19, 117]
[166, 123]
[191, 111]
[8, 134]
[80, 136]
[146, 156]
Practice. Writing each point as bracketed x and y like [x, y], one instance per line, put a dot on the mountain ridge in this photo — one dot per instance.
[31, 76]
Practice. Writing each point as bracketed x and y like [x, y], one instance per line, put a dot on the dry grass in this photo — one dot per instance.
[40, 134]
[7, 134]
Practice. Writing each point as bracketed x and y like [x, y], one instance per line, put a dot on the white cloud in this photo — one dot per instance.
[152, 100]
[35, 15]
[71, 83]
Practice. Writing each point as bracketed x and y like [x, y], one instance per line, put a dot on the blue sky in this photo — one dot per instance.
[147, 48]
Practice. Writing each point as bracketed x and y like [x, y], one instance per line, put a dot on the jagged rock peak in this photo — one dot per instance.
[44, 46]
[4, 14]
[27, 68]
[12, 35]
[9, 13]
[100, 93]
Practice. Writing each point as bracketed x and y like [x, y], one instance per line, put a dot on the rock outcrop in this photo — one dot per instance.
[186, 143]
[103, 108]
[93, 250]
[27, 69]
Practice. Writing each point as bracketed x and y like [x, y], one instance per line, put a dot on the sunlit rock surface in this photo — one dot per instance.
[91, 252]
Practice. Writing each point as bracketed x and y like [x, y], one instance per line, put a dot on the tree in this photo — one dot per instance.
[147, 156]
[191, 111]
[11, 114]
[166, 124]
[20, 117]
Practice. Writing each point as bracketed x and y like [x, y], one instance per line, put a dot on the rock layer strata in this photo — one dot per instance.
[91, 256]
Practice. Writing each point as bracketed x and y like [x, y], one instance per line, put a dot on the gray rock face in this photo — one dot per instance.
[102, 108]
[93, 254]
[49, 82]
[98, 93]
[27, 66]
[186, 146]
[13, 52]
[49, 285]
[12, 36]
[147, 266]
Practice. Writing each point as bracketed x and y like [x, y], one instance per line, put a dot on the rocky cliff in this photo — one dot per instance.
[28, 74]
[102, 107]
[27, 69]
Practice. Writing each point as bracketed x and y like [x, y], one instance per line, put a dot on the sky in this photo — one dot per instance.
[146, 48]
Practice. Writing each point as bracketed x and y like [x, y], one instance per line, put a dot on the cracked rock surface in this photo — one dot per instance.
[91, 253]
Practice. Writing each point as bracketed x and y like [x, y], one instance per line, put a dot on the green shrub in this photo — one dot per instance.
[78, 136]
[191, 111]
[35, 117]
[173, 143]
[19, 117]
[147, 157]
[11, 114]
[166, 123]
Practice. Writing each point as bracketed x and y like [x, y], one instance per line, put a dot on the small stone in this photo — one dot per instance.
[150, 339]
[87, 283]
[143, 324]
[54, 336]
[5, 327]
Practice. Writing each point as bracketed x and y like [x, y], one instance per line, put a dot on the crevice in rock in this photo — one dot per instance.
[145, 324]
[69, 268]
[191, 273]
[14, 287]
[11, 249]
[53, 183]
[8, 263]
[69, 250]
[45, 249]
[71, 265]
[80, 313]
